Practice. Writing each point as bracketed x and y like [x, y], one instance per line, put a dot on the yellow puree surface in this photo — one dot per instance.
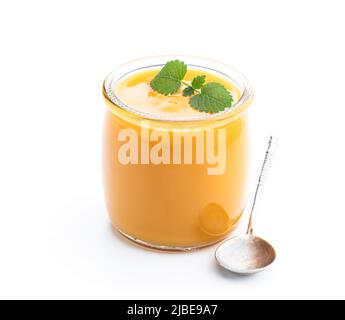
[135, 91]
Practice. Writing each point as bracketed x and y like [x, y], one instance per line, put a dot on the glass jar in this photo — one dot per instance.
[194, 196]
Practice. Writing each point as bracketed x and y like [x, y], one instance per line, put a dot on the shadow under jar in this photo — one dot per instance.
[175, 178]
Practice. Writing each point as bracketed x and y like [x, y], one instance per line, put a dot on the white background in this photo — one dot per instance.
[55, 237]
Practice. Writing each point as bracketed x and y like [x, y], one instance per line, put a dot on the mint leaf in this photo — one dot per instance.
[168, 80]
[188, 91]
[198, 82]
[213, 97]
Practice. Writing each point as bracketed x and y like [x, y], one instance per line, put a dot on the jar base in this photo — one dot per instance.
[166, 248]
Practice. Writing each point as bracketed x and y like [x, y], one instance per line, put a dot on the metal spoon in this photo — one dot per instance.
[248, 254]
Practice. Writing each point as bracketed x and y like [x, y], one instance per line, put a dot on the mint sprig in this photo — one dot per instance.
[211, 97]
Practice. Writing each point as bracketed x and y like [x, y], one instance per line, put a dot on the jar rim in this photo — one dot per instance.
[229, 73]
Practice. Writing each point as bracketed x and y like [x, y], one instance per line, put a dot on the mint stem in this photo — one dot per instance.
[189, 85]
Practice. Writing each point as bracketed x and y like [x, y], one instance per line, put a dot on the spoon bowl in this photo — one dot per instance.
[245, 254]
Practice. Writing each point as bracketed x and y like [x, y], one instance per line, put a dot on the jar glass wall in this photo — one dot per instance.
[185, 184]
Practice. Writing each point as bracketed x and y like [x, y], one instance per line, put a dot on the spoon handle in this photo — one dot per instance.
[264, 168]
